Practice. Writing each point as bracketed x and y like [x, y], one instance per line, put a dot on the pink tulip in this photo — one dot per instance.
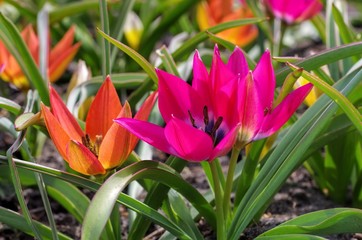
[204, 120]
[294, 11]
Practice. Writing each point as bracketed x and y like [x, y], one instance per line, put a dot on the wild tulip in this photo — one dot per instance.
[293, 12]
[213, 12]
[258, 116]
[59, 58]
[104, 144]
[202, 120]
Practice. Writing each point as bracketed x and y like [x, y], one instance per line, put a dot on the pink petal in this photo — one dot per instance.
[225, 144]
[280, 115]
[190, 143]
[200, 81]
[251, 110]
[177, 98]
[265, 80]
[311, 10]
[237, 63]
[223, 91]
[148, 132]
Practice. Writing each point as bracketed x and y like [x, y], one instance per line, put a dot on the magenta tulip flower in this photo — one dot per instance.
[258, 116]
[294, 11]
[203, 120]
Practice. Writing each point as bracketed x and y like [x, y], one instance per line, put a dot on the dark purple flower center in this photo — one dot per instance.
[211, 127]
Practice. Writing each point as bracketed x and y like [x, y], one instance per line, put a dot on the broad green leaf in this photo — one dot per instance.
[13, 41]
[287, 156]
[323, 222]
[110, 190]
[17, 221]
[345, 32]
[154, 199]
[146, 66]
[291, 236]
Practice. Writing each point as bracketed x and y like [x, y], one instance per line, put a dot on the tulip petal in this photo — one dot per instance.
[31, 40]
[177, 98]
[105, 107]
[65, 43]
[58, 135]
[251, 111]
[224, 146]
[148, 132]
[64, 117]
[223, 92]
[265, 80]
[280, 115]
[60, 64]
[200, 81]
[237, 63]
[190, 143]
[114, 148]
[142, 115]
[82, 160]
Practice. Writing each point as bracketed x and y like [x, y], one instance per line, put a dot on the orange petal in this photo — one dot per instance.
[82, 160]
[114, 149]
[142, 115]
[65, 118]
[65, 43]
[58, 135]
[32, 41]
[105, 107]
[58, 65]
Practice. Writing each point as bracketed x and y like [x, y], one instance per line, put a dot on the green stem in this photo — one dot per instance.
[229, 181]
[106, 65]
[218, 202]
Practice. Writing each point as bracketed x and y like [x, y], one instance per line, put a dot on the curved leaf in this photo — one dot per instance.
[108, 193]
[324, 222]
[9, 105]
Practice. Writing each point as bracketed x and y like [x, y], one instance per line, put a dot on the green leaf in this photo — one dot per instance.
[291, 236]
[287, 156]
[124, 199]
[146, 66]
[323, 222]
[320, 59]
[13, 41]
[108, 193]
[106, 65]
[17, 221]
[337, 97]
[9, 105]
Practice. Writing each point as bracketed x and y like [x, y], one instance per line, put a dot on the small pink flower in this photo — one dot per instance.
[294, 11]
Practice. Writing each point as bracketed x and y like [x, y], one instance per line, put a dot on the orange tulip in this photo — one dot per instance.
[213, 12]
[59, 58]
[104, 144]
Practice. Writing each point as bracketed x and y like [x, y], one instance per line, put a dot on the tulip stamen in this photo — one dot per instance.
[192, 120]
[93, 147]
[267, 111]
[206, 115]
[216, 126]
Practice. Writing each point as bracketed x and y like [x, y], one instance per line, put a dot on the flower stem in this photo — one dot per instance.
[229, 181]
[218, 202]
